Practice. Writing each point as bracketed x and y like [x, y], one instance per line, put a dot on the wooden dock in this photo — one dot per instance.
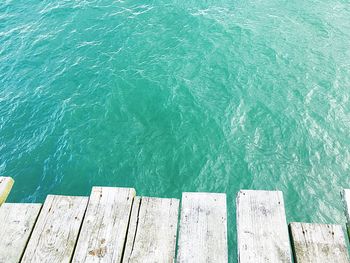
[115, 225]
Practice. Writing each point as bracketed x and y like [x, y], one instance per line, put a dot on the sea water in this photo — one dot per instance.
[178, 95]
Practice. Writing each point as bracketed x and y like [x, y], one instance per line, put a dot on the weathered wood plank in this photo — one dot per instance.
[16, 224]
[346, 199]
[203, 228]
[104, 229]
[133, 224]
[318, 243]
[6, 184]
[262, 227]
[152, 230]
[56, 230]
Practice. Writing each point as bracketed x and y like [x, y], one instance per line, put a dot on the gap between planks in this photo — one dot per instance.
[104, 229]
[56, 230]
[152, 230]
[16, 224]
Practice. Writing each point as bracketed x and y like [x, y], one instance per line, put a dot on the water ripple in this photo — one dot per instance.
[178, 96]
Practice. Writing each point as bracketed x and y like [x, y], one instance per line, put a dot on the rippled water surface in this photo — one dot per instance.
[173, 96]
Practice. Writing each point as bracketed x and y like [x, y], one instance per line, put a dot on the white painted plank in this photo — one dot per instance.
[203, 228]
[318, 243]
[16, 224]
[262, 227]
[346, 199]
[56, 230]
[6, 184]
[152, 232]
[104, 229]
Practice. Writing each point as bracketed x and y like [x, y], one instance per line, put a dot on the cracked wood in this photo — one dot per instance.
[152, 231]
[104, 229]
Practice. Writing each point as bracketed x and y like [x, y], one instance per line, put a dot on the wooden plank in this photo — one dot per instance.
[346, 199]
[133, 224]
[262, 227]
[318, 243]
[16, 224]
[103, 234]
[203, 228]
[6, 184]
[56, 230]
[152, 230]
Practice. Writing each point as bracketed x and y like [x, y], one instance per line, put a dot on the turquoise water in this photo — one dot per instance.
[173, 96]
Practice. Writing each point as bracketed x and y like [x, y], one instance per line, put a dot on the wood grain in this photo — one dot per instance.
[104, 229]
[262, 227]
[16, 224]
[203, 228]
[318, 243]
[152, 232]
[56, 230]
